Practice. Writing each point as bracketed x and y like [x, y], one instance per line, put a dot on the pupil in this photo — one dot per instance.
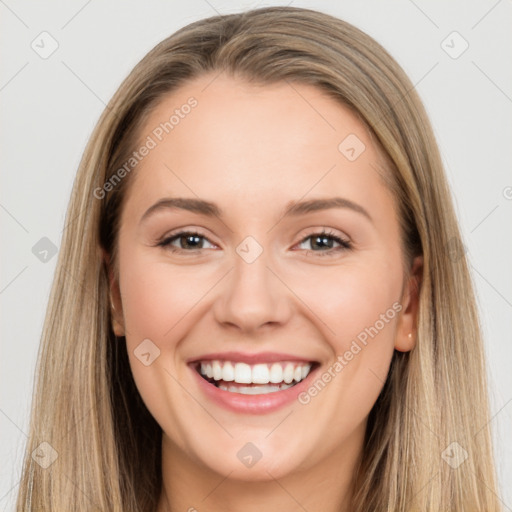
[324, 240]
[196, 240]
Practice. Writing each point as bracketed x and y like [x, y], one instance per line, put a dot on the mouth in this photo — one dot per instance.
[254, 379]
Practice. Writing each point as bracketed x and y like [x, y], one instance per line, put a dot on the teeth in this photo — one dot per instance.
[207, 369]
[217, 370]
[254, 390]
[288, 373]
[243, 373]
[276, 373]
[228, 372]
[262, 373]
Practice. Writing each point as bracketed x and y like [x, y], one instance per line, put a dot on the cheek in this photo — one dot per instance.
[358, 306]
[351, 298]
[158, 305]
[157, 298]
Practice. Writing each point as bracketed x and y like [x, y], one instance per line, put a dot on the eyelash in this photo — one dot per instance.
[344, 244]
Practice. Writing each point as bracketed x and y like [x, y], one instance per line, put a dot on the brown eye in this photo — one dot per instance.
[325, 243]
[185, 241]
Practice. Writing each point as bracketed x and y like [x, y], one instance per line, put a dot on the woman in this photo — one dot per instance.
[257, 301]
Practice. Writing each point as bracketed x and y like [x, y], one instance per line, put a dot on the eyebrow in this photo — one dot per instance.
[293, 208]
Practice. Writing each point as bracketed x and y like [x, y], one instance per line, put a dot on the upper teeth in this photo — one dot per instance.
[264, 373]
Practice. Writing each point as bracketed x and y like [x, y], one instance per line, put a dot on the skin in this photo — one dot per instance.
[251, 150]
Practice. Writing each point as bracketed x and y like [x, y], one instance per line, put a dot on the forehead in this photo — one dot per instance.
[223, 138]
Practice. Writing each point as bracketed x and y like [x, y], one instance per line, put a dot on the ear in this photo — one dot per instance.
[407, 324]
[116, 306]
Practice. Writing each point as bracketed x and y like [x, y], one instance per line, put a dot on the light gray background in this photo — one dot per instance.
[49, 107]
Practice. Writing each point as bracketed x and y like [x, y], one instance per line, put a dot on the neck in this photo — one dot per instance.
[192, 487]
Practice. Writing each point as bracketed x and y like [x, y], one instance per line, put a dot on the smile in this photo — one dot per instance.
[257, 379]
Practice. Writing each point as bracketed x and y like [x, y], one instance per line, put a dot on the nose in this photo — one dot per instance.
[253, 296]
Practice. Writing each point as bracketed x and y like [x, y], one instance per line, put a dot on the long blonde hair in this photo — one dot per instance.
[86, 405]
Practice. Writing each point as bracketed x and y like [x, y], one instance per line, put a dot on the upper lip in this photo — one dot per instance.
[241, 357]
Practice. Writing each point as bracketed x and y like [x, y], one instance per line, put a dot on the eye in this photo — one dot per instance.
[185, 241]
[323, 243]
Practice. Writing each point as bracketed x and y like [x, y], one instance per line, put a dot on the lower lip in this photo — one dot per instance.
[252, 404]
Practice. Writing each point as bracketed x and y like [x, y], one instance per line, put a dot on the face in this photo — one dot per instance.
[260, 246]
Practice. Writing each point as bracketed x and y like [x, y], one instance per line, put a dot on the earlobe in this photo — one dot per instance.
[406, 333]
